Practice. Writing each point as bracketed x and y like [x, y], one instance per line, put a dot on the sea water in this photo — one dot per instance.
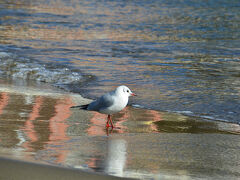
[178, 56]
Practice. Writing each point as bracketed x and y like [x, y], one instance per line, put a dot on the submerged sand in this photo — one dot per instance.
[38, 126]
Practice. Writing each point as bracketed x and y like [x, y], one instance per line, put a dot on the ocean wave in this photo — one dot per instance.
[14, 67]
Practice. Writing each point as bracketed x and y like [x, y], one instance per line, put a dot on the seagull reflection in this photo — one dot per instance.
[116, 157]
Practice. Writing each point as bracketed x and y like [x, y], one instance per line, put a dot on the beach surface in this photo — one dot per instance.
[38, 126]
[28, 171]
[180, 57]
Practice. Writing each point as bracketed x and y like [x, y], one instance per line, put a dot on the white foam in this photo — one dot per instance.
[22, 68]
[137, 106]
[184, 112]
[4, 54]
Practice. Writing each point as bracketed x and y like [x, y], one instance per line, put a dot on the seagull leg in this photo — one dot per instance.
[108, 119]
[111, 121]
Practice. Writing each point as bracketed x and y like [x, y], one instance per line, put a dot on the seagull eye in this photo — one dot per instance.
[128, 91]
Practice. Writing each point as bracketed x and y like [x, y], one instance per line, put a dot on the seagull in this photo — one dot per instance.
[110, 103]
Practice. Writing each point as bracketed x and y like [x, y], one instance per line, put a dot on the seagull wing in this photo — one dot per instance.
[103, 102]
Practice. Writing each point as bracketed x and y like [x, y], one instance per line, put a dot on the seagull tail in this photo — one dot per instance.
[81, 106]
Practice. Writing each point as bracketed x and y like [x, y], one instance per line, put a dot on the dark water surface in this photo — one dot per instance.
[181, 56]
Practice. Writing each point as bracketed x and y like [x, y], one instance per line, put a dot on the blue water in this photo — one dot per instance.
[178, 56]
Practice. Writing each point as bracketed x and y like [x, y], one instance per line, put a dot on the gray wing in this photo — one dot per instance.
[103, 102]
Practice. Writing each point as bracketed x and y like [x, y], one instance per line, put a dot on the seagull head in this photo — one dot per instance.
[124, 90]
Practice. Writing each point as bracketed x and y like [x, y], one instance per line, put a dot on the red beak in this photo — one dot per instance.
[133, 94]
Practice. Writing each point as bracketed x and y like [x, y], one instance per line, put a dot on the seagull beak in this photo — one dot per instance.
[133, 94]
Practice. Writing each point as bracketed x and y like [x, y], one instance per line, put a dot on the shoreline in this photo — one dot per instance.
[38, 126]
[78, 99]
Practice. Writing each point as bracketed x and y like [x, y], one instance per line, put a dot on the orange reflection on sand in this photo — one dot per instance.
[156, 116]
[122, 119]
[29, 126]
[98, 123]
[3, 101]
[57, 123]
[58, 126]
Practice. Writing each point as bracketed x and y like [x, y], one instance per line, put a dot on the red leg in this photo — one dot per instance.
[108, 119]
[111, 121]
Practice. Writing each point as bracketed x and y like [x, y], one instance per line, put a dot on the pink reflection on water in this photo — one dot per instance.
[122, 119]
[119, 123]
[156, 116]
[54, 127]
[98, 124]
[58, 127]
[3, 101]
[29, 126]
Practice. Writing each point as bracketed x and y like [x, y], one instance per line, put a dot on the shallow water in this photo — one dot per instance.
[37, 124]
[178, 56]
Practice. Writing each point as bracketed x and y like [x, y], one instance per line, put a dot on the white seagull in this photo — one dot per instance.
[110, 103]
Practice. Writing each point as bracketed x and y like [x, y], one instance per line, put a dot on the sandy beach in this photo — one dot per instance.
[38, 126]
[22, 170]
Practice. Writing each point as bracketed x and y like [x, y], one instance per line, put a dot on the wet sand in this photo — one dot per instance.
[38, 126]
[21, 170]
